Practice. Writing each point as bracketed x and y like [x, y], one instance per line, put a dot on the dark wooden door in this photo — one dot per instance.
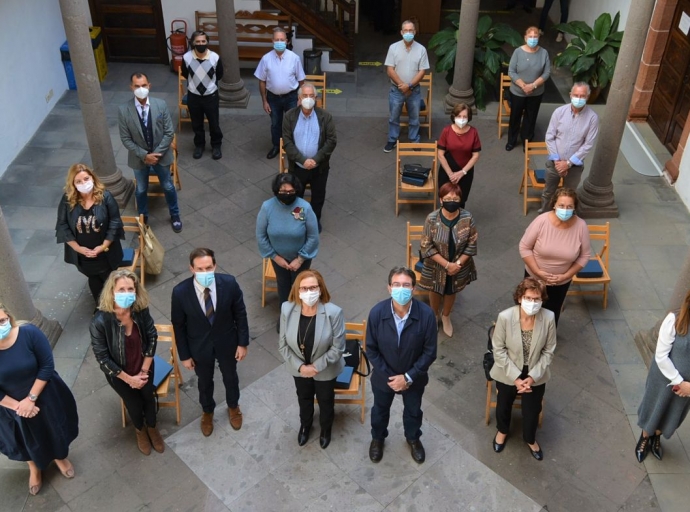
[670, 102]
[132, 30]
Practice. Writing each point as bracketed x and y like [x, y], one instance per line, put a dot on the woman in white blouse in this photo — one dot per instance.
[666, 398]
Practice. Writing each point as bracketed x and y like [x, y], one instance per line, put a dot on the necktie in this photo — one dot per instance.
[144, 116]
[210, 312]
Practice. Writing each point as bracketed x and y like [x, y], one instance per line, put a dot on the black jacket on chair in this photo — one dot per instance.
[107, 213]
[196, 337]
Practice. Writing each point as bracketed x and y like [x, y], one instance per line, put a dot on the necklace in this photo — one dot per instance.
[302, 335]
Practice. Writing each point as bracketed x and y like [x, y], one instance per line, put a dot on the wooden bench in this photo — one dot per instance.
[254, 31]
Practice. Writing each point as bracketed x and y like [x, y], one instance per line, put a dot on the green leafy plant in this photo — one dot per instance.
[592, 53]
[489, 54]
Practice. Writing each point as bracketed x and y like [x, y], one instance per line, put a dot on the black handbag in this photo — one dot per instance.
[488, 361]
[415, 174]
[353, 354]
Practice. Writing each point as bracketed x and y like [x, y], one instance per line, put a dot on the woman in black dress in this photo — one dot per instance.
[38, 417]
[89, 224]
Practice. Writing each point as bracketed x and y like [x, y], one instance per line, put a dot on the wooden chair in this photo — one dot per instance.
[492, 393]
[166, 334]
[596, 272]
[319, 82]
[425, 112]
[283, 167]
[174, 174]
[268, 280]
[420, 151]
[531, 177]
[133, 257]
[414, 234]
[356, 393]
[503, 114]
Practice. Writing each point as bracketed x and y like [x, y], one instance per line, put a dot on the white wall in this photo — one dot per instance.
[589, 10]
[26, 81]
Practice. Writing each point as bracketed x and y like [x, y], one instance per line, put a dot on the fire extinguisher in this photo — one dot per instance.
[177, 44]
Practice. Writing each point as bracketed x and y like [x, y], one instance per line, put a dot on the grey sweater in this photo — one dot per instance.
[529, 66]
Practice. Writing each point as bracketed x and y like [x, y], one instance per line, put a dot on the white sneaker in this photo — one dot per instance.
[559, 37]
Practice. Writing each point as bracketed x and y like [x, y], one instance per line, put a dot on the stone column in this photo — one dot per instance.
[14, 292]
[596, 192]
[74, 17]
[231, 88]
[461, 91]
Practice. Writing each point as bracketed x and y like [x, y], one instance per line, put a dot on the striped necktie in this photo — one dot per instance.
[144, 115]
[210, 312]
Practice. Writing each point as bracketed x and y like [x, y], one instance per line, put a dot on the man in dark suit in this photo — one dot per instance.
[210, 322]
[146, 130]
[401, 345]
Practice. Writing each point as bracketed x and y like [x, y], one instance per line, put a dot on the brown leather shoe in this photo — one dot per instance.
[143, 441]
[207, 423]
[235, 416]
[156, 440]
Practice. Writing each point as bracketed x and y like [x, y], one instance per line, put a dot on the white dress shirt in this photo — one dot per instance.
[200, 294]
[667, 335]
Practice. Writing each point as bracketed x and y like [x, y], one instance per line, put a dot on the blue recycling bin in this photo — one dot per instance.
[67, 63]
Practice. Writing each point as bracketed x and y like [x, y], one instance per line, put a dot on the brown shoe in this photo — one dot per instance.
[156, 440]
[143, 441]
[235, 416]
[207, 423]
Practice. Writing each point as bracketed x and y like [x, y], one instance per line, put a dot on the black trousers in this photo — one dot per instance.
[556, 298]
[325, 394]
[209, 106]
[140, 403]
[525, 109]
[285, 278]
[531, 408]
[317, 178]
[465, 183]
[204, 372]
[97, 271]
[412, 412]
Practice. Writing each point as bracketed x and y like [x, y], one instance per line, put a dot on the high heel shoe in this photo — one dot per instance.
[642, 447]
[447, 326]
[537, 454]
[498, 448]
[69, 472]
[655, 446]
[303, 435]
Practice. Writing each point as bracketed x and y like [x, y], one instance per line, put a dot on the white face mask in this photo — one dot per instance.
[310, 298]
[460, 122]
[308, 103]
[530, 308]
[85, 187]
[141, 92]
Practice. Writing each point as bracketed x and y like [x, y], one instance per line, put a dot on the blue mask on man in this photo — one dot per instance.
[578, 102]
[564, 213]
[401, 295]
[408, 37]
[205, 279]
[532, 42]
[125, 299]
[279, 46]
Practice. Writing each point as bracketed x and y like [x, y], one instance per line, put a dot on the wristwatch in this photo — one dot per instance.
[570, 164]
[105, 248]
[408, 380]
[32, 397]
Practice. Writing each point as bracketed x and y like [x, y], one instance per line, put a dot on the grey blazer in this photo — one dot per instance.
[329, 340]
[133, 138]
[507, 345]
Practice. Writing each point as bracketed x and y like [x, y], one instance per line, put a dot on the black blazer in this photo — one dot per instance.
[417, 348]
[195, 336]
[107, 213]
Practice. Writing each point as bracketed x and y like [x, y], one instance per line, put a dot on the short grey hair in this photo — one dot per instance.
[582, 84]
[306, 85]
[277, 30]
[408, 22]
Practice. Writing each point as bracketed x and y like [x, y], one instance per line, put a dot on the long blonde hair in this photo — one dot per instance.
[71, 191]
[107, 300]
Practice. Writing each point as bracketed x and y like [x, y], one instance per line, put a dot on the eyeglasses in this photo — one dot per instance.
[401, 285]
[4, 321]
[531, 300]
[308, 288]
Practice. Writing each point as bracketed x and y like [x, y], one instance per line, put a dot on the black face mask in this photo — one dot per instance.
[200, 48]
[286, 198]
[451, 206]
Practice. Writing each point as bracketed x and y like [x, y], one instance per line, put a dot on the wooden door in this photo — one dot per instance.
[132, 30]
[670, 102]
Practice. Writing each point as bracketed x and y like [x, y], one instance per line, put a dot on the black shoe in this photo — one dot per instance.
[509, 146]
[539, 455]
[655, 446]
[146, 220]
[390, 146]
[417, 450]
[303, 435]
[325, 438]
[642, 447]
[376, 450]
[198, 151]
[216, 154]
[273, 153]
[176, 223]
[498, 448]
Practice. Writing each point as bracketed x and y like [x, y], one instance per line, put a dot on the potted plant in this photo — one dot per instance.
[489, 54]
[592, 52]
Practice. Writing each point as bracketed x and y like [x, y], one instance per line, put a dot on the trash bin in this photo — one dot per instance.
[312, 62]
[98, 53]
[67, 63]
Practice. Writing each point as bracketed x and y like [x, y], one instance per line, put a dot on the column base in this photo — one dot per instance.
[233, 95]
[456, 96]
[120, 187]
[596, 202]
[51, 328]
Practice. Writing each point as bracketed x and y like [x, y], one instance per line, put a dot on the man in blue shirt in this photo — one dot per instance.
[401, 345]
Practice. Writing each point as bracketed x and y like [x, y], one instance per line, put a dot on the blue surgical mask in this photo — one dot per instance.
[564, 214]
[205, 279]
[125, 299]
[578, 102]
[279, 46]
[408, 37]
[5, 330]
[401, 295]
[532, 42]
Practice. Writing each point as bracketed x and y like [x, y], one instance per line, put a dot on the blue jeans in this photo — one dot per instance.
[163, 173]
[545, 13]
[279, 105]
[396, 99]
[412, 412]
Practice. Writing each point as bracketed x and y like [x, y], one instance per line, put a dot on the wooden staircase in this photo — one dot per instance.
[330, 22]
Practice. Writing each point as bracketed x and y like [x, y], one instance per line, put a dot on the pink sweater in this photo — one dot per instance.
[555, 250]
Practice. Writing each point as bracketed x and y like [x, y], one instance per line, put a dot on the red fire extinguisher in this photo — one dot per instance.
[177, 44]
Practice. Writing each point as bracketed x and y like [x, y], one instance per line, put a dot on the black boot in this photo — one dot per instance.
[655, 446]
[642, 447]
[303, 435]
